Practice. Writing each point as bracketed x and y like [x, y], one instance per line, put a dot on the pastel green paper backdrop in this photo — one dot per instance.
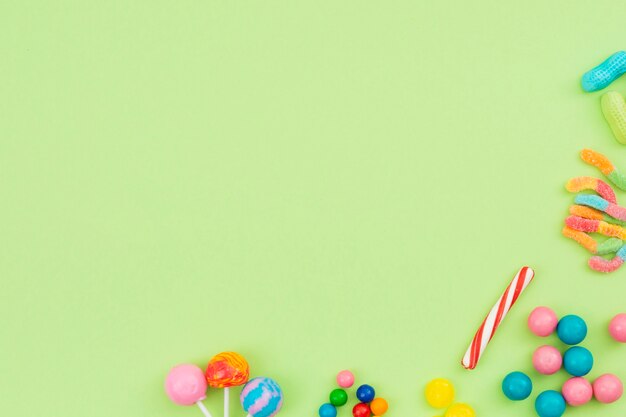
[317, 185]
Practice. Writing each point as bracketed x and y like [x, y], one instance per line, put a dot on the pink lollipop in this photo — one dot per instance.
[186, 385]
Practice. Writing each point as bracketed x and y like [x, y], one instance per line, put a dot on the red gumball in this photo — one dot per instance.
[361, 410]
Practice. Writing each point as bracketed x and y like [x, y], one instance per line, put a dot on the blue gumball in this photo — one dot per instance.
[571, 330]
[577, 361]
[517, 386]
[327, 410]
[550, 404]
[365, 393]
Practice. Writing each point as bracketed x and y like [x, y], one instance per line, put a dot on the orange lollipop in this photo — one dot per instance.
[225, 370]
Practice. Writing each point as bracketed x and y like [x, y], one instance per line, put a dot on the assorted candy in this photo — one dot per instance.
[439, 393]
[368, 404]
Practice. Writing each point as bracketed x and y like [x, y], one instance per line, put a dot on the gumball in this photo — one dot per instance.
[617, 328]
[550, 404]
[571, 330]
[542, 321]
[345, 379]
[517, 386]
[577, 361]
[379, 406]
[547, 360]
[460, 410]
[327, 410]
[577, 391]
[608, 388]
[338, 397]
[361, 410]
[365, 393]
[439, 393]
[186, 385]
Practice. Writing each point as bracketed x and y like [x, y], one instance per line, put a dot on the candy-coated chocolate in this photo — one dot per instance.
[542, 321]
[327, 410]
[186, 385]
[577, 361]
[345, 379]
[361, 410]
[517, 386]
[617, 328]
[608, 388]
[439, 393]
[460, 410]
[338, 397]
[227, 369]
[379, 406]
[365, 393]
[577, 391]
[547, 360]
[571, 329]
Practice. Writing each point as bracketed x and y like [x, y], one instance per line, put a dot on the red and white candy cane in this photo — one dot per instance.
[489, 326]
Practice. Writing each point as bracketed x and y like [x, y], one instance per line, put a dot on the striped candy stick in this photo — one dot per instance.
[489, 326]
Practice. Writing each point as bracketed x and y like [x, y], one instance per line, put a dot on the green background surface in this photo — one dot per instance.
[316, 185]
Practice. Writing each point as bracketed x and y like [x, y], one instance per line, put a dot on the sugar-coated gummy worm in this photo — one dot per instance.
[489, 326]
[589, 183]
[593, 214]
[604, 74]
[611, 245]
[600, 264]
[614, 110]
[605, 166]
[595, 226]
[601, 204]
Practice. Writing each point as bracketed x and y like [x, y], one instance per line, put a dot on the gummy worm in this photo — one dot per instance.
[614, 110]
[604, 74]
[595, 226]
[601, 204]
[593, 214]
[605, 166]
[600, 264]
[589, 183]
[611, 245]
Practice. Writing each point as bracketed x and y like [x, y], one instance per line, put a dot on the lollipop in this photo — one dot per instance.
[261, 397]
[186, 385]
[225, 370]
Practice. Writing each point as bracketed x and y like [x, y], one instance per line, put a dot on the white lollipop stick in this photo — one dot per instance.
[226, 401]
[203, 409]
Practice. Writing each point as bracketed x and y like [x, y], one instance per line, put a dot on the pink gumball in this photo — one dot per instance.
[542, 321]
[607, 388]
[345, 379]
[617, 328]
[577, 391]
[547, 360]
[186, 385]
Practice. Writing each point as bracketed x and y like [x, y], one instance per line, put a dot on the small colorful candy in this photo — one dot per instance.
[261, 397]
[605, 73]
[365, 393]
[617, 328]
[614, 110]
[338, 397]
[361, 410]
[186, 385]
[379, 406]
[577, 391]
[608, 388]
[610, 245]
[517, 386]
[345, 379]
[327, 410]
[605, 166]
[542, 321]
[439, 393]
[593, 214]
[460, 410]
[578, 184]
[550, 404]
[577, 361]
[226, 370]
[571, 329]
[598, 263]
[547, 360]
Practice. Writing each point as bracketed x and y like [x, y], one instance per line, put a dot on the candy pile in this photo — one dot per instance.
[187, 385]
[577, 361]
[440, 394]
[368, 404]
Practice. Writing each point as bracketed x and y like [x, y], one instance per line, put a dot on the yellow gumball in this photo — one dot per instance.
[439, 393]
[460, 410]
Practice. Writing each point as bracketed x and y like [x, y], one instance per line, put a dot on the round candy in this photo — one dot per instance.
[542, 321]
[227, 369]
[617, 328]
[571, 330]
[361, 410]
[338, 397]
[577, 391]
[547, 360]
[261, 397]
[379, 406]
[365, 393]
[608, 388]
[345, 379]
[460, 410]
[577, 361]
[550, 404]
[185, 385]
[517, 386]
[327, 410]
[439, 393]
